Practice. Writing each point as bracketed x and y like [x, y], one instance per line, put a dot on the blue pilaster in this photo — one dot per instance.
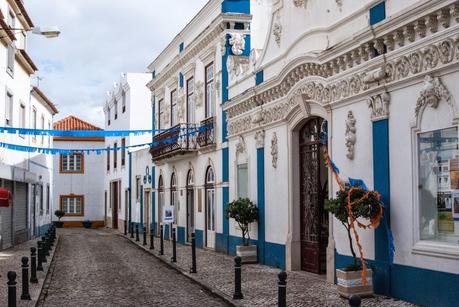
[381, 177]
[261, 203]
[236, 6]
[141, 206]
[130, 188]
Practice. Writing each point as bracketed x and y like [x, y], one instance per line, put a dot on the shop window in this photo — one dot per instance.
[439, 185]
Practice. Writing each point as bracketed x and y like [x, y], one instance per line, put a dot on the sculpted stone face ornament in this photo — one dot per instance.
[237, 42]
[351, 137]
[379, 106]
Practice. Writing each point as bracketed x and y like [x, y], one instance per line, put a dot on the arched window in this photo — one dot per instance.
[210, 207]
[190, 178]
[174, 196]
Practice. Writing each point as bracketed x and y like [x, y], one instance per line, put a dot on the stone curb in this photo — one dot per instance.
[48, 274]
[190, 276]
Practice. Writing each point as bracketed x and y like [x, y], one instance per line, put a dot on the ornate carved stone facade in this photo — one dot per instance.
[237, 65]
[274, 150]
[300, 3]
[431, 94]
[260, 138]
[277, 31]
[199, 92]
[351, 136]
[379, 106]
[237, 42]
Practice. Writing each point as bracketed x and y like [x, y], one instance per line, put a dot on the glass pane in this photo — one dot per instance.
[242, 181]
[439, 185]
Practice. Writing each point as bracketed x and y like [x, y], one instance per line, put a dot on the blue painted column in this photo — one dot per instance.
[141, 207]
[260, 136]
[153, 198]
[381, 174]
[130, 188]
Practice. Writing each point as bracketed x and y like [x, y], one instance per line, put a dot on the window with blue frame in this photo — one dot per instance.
[378, 13]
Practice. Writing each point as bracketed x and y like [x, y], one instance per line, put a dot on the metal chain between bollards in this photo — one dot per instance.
[237, 295]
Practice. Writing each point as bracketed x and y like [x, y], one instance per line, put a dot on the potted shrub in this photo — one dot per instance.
[87, 224]
[244, 212]
[60, 214]
[366, 205]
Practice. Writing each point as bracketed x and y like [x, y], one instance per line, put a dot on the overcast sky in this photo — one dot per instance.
[100, 39]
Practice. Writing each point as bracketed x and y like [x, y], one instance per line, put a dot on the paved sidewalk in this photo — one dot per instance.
[10, 260]
[259, 282]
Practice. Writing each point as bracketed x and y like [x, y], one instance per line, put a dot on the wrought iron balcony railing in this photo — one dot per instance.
[206, 135]
[179, 139]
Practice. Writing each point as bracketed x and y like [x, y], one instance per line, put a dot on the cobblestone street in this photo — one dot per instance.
[99, 268]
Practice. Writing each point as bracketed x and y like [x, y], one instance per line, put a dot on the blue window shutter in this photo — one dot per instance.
[377, 13]
[259, 77]
[153, 74]
[181, 79]
[181, 47]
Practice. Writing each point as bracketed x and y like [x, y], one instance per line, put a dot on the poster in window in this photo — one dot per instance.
[454, 174]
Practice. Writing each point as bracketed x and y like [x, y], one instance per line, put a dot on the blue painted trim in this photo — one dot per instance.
[381, 177]
[261, 203]
[130, 188]
[225, 161]
[416, 285]
[236, 6]
[153, 74]
[224, 239]
[43, 229]
[377, 13]
[166, 232]
[141, 206]
[181, 81]
[259, 77]
[199, 238]
[225, 71]
[181, 235]
[181, 47]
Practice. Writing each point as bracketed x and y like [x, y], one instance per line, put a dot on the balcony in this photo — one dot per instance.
[178, 140]
[206, 135]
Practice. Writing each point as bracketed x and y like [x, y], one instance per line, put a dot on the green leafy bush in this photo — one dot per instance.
[365, 208]
[244, 212]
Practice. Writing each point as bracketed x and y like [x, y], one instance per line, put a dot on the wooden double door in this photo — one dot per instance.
[313, 193]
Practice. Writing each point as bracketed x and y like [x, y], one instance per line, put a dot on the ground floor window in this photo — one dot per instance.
[439, 185]
[72, 205]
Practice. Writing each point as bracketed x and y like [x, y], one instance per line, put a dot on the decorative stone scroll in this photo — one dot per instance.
[274, 150]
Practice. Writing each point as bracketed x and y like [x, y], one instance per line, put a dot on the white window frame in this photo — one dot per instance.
[9, 105]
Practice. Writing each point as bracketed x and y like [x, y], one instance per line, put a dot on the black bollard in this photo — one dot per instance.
[46, 247]
[25, 279]
[237, 279]
[193, 253]
[152, 240]
[144, 236]
[282, 291]
[40, 256]
[137, 233]
[174, 246]
[161, 240]
[355, 301]
[11, 289]
[33, 265]
[125, 227]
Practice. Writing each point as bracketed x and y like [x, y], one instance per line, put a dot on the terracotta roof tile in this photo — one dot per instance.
[74, 123]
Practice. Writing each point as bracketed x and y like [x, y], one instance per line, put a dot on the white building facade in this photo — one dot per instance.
[78, 178]
[189, 87]
[27, 175]
[379, 80]
[128, 107]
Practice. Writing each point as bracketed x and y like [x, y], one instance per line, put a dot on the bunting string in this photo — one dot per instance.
[87, 133]
[190, 132]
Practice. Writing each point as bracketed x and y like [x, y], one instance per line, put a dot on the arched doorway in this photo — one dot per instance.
[313, 193]
[210, 207]
[189, 205]
[174, 200]
[160, 202]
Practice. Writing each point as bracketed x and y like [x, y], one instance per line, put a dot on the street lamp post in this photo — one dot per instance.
[48, 32]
